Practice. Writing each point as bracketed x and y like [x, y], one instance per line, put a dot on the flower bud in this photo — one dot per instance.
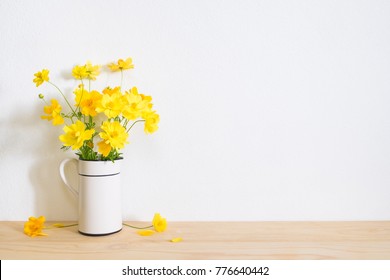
[90, 144]
[41, 96]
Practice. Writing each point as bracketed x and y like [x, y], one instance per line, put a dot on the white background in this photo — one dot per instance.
[270, 110]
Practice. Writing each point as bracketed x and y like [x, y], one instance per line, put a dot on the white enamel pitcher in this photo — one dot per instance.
[99, 195]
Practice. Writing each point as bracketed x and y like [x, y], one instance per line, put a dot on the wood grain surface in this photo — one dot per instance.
[207, 240]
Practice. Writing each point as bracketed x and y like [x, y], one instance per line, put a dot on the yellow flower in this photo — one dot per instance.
[135, 104]
[88, 101]
[88, 71]
[159, 223]
[79, 72]
[146, 232]
[75, 135]
[53, 113]
[122, 65]
[33, 227]
[151, 121]
[104, 148]
[113, 135]
[79, 94]
[40, 77]
[92, 71]
[111, 105]
[148, 100]
[111, 91]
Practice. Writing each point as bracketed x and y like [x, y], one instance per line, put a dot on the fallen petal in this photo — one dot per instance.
[147, 232]
[177, 239]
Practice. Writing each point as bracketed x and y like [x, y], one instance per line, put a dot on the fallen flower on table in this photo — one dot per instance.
[159, 224]
[33, 227]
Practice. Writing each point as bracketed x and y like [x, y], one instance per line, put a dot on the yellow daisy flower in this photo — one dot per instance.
[92, 71]
[79, 72]
[75, 135]
[151, 121]
[159, 223]
[33, 227]
[111, 105]
[121, 65]
[41, 77]
[114, 135]
[53, 113]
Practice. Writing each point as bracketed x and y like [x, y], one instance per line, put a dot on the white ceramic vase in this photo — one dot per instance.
[99, 195]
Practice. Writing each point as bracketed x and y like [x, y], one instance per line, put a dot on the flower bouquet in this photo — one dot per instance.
[97, 125]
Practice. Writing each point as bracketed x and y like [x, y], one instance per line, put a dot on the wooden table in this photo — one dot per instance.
[207, 240]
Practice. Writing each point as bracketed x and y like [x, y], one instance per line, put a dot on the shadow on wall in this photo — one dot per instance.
[52, 198]
[34, 142]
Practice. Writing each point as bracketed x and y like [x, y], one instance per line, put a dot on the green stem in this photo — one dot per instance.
[121, 78]
[72, 225]
[125, 122]
[67, 102]
[137, 227]
[45, 102]
[81, 97]
[52, 227]
[134, 124]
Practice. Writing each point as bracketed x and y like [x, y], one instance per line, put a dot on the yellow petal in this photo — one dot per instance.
[147, 232]
[176, 239]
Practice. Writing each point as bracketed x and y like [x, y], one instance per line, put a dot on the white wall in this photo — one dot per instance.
[270, 110]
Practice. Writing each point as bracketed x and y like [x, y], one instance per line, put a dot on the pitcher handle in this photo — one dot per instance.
[73, 190]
